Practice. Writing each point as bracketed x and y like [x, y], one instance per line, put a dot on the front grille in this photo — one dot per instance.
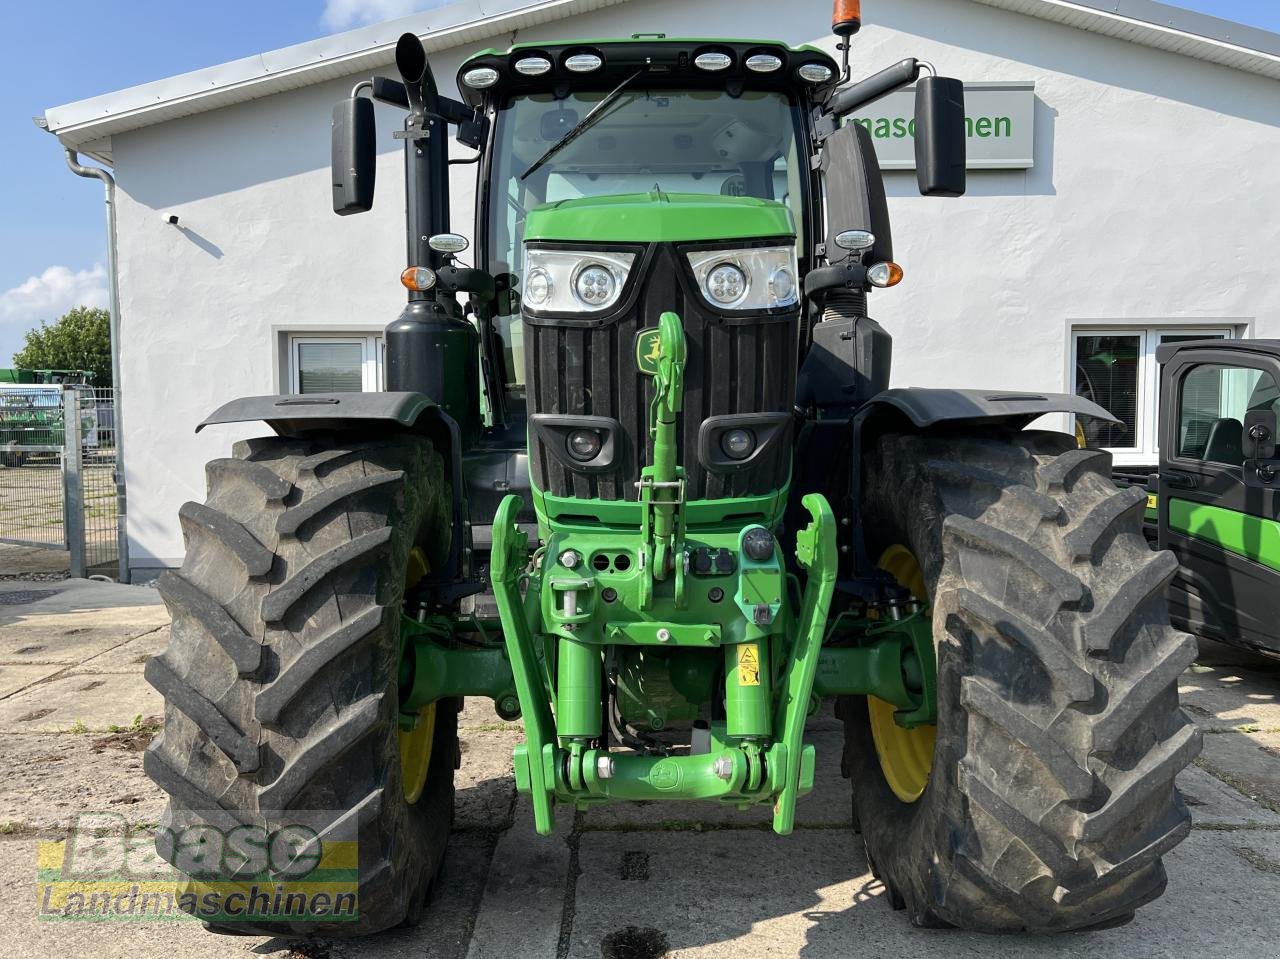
[735, 365]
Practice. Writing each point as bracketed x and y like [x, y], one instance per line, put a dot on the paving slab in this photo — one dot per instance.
[524, 896]
[445, 930]
[1216, 805]
[45, 780]
[71, 595]
[16, 677]
[65, 640]
[1249, 765]
[92, 700]
[810, 895]
[24, 936]
[1228, 696]
[128, 657]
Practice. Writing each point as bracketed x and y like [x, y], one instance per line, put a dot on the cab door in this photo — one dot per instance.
[1219, 492]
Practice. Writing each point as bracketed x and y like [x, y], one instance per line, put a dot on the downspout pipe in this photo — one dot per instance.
[113, 305]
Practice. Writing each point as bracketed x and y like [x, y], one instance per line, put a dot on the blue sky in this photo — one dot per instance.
[52, 237]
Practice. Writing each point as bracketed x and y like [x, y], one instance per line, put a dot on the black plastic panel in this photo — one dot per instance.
[736, 364]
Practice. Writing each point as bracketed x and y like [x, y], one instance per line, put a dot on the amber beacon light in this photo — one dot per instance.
[846, 17]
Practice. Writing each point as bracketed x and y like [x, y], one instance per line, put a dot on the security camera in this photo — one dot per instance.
[171, 219]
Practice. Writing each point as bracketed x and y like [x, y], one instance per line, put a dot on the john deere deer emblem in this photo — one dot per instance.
[648, 351]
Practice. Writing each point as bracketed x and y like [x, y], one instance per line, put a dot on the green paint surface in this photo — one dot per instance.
[658, 217]
[1252, 537]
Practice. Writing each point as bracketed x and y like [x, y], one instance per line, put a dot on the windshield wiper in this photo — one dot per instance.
[582, 125]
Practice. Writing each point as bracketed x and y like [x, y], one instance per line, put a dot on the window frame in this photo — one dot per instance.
[372, 355]
[1146, 450]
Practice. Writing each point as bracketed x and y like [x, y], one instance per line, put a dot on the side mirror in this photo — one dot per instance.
[940, 136]
[1260, 435]
[354, 156]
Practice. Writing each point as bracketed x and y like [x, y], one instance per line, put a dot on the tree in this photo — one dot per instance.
[79, 340]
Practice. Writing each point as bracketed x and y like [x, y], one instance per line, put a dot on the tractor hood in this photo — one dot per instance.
[657, 217]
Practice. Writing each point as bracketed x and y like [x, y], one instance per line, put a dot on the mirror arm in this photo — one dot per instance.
[844, 101]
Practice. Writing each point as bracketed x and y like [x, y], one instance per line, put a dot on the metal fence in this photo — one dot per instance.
[58, 484]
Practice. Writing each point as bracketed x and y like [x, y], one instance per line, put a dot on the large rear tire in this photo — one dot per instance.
[1051, 796]
[280, 680]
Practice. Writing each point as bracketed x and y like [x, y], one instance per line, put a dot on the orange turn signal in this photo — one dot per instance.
[884, 274]
[846, 17]
[418, 278]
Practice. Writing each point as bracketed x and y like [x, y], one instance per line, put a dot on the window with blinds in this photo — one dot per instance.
[335, 364]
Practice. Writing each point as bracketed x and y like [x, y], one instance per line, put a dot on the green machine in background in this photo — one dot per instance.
[639, 478]
[17, 375]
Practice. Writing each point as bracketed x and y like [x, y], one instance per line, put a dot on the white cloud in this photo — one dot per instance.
[52, 293]
[344, 14]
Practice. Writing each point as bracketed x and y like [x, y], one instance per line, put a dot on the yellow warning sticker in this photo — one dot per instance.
[1151, 501]
[748, 665]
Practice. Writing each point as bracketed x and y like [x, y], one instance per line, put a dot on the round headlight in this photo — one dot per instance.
[533, 66]
[480, 77]
[713, 61]
[815, 72]
[583, 63]
[764, 63]
[782, 285]
[595, 286]
[726, 284]
[738, 444]
[583, 445]
[538, 287]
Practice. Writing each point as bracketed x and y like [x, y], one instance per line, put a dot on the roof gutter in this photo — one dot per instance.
[113, 306]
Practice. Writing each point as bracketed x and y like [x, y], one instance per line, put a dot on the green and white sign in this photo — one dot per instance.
[1000, 118]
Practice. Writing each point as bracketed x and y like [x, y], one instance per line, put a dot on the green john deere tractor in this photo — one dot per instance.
[638, 477]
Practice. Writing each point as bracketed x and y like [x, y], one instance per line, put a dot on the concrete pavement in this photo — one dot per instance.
[623, 881]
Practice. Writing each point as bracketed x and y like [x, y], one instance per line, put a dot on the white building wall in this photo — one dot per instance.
[1151, 198]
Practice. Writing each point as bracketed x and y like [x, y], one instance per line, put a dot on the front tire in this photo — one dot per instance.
[280, 679]
[1051, 796]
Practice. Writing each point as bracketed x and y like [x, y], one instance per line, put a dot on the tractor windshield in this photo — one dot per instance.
[677, 140]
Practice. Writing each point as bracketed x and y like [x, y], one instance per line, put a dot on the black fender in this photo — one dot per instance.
[930, 407]
[288, 415]
[926, 408]
[362, 412]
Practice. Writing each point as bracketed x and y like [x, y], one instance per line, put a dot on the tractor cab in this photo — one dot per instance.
[623, 180]
[616, 146]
